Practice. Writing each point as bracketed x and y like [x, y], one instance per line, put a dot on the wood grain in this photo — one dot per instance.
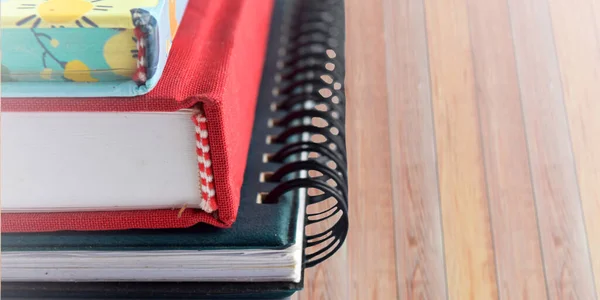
[578, 49]
[419, 245]
[562, 231]
[596, 15]
[512, 207]
[370, 245]
[512, 90]
[365, 267]
[328, 280]
[467, 237]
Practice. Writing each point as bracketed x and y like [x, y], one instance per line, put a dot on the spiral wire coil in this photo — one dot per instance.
[310, 92]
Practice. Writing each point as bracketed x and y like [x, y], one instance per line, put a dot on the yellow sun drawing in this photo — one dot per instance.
[71, 13]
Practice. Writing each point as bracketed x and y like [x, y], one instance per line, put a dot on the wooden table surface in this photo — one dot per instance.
[474, 152]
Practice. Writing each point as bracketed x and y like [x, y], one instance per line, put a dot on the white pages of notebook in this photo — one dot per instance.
[232, 265]
[97, 161]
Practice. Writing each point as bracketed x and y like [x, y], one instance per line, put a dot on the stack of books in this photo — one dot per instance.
[170, 148]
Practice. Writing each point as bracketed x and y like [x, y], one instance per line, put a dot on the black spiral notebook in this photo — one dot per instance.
[295, 179]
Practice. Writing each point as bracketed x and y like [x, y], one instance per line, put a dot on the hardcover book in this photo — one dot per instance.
[86, 47]
[171, 158]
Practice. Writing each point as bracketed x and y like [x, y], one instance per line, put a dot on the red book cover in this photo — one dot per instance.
[214, 67]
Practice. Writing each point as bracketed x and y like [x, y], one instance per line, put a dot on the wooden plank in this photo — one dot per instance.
[468, 244]
[370, 259]
[419, 245]
[519, 263]
[596, 14]
[562, 231]
[578, 50]
[370, 204]
[371, 209]
[328, 280]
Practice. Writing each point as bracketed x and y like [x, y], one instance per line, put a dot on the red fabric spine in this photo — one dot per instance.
[205, 173]
[140, 74]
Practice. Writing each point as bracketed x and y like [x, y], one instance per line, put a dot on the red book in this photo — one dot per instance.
[213, 72]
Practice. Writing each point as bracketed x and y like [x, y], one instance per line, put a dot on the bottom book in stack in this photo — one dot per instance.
[293, 211]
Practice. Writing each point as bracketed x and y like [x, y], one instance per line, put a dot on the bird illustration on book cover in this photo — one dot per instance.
[45, 41]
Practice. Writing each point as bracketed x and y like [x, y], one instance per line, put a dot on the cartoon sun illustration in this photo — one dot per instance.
[71, 13]
[60, 12]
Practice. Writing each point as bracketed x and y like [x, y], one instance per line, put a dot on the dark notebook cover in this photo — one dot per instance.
[305, 30]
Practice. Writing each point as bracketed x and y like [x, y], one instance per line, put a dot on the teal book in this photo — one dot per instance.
[293, 213]
[89, 47]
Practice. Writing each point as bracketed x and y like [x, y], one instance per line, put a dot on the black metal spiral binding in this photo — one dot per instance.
[310, 92]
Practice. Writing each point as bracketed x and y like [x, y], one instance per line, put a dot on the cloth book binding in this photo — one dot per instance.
[214, 69]
[90, 48]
